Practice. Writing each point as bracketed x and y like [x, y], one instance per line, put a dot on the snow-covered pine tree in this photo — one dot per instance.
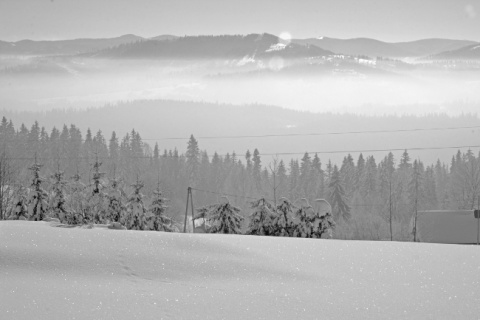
[323, 223]
[97, 202]
[57, 203]
[261, 219]
[158, 220]
[136, 218]
[313, 223]
[38, 198]
[282, 224]
[304, 215]
[222, 217]
[116, 209]
[77, 201]
[19, 208]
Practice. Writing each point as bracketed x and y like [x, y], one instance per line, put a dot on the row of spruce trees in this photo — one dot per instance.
[366, 194]
[267, 219]
[73, 203]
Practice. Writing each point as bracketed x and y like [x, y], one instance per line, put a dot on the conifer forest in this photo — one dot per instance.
[90, 178]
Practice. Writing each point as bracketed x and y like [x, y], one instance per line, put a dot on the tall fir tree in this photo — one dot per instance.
[338, 198]
[193, 160]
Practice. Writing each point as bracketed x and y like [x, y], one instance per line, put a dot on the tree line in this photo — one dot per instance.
[370, 198]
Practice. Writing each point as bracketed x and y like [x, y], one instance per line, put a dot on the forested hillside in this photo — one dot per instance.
[363, 191]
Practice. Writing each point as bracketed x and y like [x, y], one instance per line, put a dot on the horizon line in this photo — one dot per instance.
[227, 34]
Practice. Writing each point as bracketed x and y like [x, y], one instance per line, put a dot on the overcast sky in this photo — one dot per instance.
[388, 20]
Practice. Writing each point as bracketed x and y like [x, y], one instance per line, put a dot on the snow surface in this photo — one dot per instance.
[476, 47]
[49, 272]
[276, 47]
[245, 60]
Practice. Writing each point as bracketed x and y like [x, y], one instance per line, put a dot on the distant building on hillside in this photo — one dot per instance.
[447, 226]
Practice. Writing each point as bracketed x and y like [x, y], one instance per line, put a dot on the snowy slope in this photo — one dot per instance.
[73, 273]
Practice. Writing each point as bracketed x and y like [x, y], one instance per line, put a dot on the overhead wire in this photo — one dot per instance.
[267, 154]
[297, 134]
[319, 133]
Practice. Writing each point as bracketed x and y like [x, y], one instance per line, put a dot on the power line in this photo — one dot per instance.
[370, 150]
[265, 154]
[321, 133]
[252, 198]
[226, 194]
[59, 139]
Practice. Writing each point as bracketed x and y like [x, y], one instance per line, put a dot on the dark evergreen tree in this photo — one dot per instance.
[282, 189]
[405, 161]
[193, 160]
[338, 198]
[347, 173]
[256, 171]
[415, 191]
[294, 181]
[359, 172]
[306, 176]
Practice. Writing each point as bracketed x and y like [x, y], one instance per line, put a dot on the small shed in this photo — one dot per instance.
[447, 226]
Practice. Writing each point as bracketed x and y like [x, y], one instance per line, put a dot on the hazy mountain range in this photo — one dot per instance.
[322, 74]
[230, 46]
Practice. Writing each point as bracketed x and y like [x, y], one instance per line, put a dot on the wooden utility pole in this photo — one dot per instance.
[416, 211]
[193, 215]
[186, 211]
[478, 221]
[390, 204]
[189, 201]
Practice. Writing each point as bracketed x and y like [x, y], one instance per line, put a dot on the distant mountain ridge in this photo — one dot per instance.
[69, 47]
[131, 46]
[471, 52]
[211, 47]
[376, 48]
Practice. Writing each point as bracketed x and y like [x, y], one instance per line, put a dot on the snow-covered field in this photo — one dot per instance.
[50, 272]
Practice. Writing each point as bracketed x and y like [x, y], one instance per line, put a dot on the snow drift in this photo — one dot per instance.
[48, 272]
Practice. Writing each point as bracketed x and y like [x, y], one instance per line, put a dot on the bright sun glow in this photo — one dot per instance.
[285, 37]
